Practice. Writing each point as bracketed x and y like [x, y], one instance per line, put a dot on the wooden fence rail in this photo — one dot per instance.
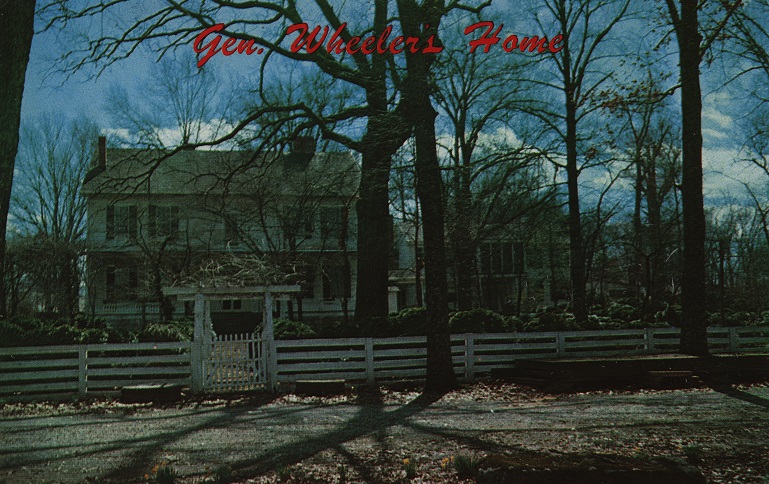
[56, 371]
[53, 372]
[380, 359]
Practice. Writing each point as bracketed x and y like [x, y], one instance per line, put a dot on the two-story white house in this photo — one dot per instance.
[155, 220]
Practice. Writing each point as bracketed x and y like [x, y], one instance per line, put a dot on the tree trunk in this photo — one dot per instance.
[693, 324]
[462, 240]
[429, 188]
[385, 133]
[374, 229]
[576, 244]
[440, 371]
[17, 25]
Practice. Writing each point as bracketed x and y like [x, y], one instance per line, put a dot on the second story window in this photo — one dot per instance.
[121, 222]
[163, 221]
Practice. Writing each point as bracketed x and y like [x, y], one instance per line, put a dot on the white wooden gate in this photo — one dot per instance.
[231, 362]
[234, 362]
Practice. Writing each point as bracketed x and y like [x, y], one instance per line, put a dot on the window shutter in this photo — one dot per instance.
[152, 212]
[519, 261]
[110, 222]
[174, 233]
[132, 222]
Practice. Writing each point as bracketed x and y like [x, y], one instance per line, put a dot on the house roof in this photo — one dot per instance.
[126, 171]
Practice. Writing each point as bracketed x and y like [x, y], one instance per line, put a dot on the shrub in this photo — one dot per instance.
[377, 327]
[409, 322]
[173, 331]
[623, 312]
[515, 323]
[36, 332]
[465, 466]
[552, 320]
[478, 321]
[671, 315]
[13, 334]
[410, 467]
[93, 335]
[222, 475]
[287, 329]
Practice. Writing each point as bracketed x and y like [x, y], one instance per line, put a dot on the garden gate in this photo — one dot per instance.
[231, 362]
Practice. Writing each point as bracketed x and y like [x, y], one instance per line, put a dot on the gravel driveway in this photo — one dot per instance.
[103, 442]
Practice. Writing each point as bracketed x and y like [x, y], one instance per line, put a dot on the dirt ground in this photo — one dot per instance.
[380, 435]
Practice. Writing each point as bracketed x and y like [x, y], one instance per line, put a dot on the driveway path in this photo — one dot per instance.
[122, 445]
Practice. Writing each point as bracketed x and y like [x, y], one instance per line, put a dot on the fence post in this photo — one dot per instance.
[271, 356]
[196, 351]
[649, 340]
[734, 344]
[82, 370]
[370, 361]
[560, 345]
[469, 357]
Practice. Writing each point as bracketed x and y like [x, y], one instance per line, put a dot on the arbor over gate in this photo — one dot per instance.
[221, 362]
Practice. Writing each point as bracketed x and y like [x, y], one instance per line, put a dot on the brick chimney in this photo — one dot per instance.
[102, 153]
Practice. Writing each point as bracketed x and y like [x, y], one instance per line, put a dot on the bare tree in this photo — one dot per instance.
[585, 25]
[49, 210]
[178, 105]
[653, 154]
[478, 94]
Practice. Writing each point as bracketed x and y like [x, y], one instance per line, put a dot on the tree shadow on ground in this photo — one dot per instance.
[371, 419]
[731, 391]
[141, 452]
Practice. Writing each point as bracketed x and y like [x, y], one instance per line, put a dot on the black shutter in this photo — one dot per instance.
[174, 222]
[110, 283]
[132, 222]
[110, 223]
[518, 252]
[152, 220]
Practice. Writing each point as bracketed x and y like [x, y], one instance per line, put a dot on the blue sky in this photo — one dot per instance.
[84, 94]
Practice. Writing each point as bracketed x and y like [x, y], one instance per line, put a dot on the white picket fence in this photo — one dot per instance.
[54, 371]
[59, 371]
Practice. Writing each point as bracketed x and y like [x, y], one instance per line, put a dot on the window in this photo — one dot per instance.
[122, 284]
[121, 222]
[497, 258]
[231, 305]
[331, 222]
[336, 282]
[163, 221]
[295, 223]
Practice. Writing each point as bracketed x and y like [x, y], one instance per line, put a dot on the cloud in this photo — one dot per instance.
[716, 117]
[726, 172]
[709, 134]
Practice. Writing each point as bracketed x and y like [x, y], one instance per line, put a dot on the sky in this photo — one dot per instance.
[84, 94]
